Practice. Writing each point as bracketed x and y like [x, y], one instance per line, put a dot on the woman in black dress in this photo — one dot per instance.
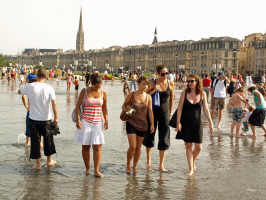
[189, 119]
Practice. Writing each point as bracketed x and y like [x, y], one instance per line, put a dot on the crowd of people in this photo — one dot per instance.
[152, 100]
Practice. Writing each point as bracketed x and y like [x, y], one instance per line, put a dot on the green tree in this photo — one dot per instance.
[2, 61]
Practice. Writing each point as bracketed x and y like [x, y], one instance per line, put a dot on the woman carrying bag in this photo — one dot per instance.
[162, 109]
[91, 123]
[137, 126]
[189, 119]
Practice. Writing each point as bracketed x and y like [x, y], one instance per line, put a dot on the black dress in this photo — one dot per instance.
[191, 131]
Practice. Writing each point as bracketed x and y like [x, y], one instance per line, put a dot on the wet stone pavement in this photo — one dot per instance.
[228, 168]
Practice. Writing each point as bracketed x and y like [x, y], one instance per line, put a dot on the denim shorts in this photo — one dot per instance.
[237, 114]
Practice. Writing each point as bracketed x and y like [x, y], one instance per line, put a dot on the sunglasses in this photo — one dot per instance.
[164, 73]
[191, 81]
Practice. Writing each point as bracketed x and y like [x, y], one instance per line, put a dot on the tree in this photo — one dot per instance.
[2, 61]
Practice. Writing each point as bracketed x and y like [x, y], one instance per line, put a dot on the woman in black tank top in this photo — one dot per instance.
[161, 114]
[189, 127]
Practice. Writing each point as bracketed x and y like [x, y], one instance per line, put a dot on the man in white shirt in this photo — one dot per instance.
[219, 95]
[249, 80]
[42, 102]
[171, 77]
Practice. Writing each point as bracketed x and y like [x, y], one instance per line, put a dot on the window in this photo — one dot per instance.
[226, 54]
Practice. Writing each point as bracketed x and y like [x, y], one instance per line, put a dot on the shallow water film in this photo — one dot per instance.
[228, 168]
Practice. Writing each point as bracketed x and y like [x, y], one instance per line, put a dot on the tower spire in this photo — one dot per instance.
[80, 35]
[155, 40]
[80, 21]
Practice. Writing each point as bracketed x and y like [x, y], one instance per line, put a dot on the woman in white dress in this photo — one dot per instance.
[92, 122]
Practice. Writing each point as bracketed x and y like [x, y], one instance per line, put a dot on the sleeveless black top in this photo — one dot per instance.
[191, 131]
[164, 99]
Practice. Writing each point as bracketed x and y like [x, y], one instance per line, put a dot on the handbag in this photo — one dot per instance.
[129, 112]
[74, 113]
[173, 120]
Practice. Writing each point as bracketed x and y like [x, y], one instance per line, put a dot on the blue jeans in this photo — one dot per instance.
[133, 86]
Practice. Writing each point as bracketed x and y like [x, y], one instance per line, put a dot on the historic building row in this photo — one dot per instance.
[206, 55]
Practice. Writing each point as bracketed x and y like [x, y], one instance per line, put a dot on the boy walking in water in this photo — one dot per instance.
[237, 111]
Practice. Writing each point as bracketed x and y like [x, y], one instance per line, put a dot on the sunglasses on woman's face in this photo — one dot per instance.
[191, 81]
[164, 73]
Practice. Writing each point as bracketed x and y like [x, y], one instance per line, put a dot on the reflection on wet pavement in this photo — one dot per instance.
[228, 168]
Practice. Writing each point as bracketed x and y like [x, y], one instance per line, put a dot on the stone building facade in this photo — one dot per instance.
[206, 55]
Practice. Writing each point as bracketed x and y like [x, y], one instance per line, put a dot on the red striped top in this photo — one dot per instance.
[92, 110]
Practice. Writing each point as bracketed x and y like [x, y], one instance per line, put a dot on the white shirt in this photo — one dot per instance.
[40, 96]
[171, 77]
[249, 80]
[263, 79]
[219, 90]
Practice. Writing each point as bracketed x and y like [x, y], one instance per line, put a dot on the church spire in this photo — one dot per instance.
[80, 35]
[155, 40]
[80, 21]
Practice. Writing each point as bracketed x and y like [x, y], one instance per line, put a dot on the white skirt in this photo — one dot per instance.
[89, 134]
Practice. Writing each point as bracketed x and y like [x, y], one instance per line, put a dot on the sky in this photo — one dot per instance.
[54, 23]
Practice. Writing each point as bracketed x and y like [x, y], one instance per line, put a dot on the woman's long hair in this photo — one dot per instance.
[198, 86]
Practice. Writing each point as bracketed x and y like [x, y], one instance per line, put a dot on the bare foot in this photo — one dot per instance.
[51, 163]
[190, 173]
[87, 172]
[38, 166]
[128, 170]
[162, 169]
[195, 168]
[98, 174]
[135, 171]
[148, 167]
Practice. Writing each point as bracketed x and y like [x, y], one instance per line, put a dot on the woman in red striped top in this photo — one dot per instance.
[91, 122]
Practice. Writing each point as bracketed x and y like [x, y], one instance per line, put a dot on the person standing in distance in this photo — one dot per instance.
[42, 101]
[219, 95]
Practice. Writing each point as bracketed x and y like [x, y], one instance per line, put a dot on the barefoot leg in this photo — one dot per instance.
[253, 130]
[232, 128]
[131, 150]
[137, 153]
[50, 161]
[237, 129]
[263, 127]
[196, 152]
[162, 157]
[86, 158]
[38, 164]
[148, 163]
[97, 154]
[189, 154]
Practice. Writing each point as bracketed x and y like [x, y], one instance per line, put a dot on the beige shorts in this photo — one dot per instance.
[217, 103]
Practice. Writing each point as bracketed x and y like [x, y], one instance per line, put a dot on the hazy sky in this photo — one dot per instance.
[54, 23]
